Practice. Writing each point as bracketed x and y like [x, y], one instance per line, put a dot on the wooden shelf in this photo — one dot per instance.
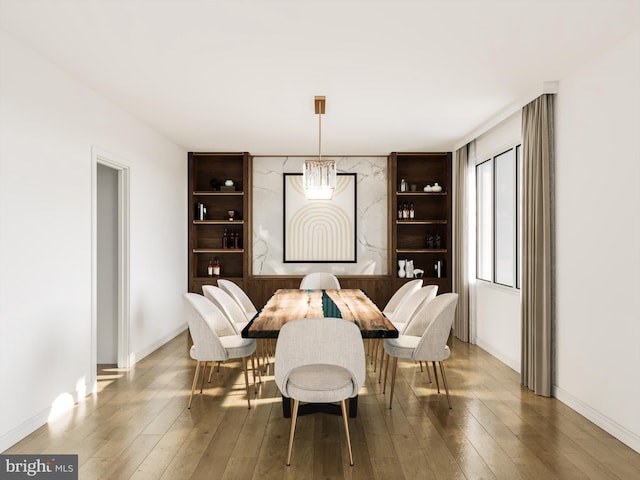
[218, 250]
[421, 194]
[203, 193]
[421, 222]
[218, 222]
[421, 250]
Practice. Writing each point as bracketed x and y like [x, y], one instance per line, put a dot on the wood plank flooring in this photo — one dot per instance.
[138, 427]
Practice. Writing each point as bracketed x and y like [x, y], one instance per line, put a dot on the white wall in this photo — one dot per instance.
[495, 310]
[48, 125]
[598, 240]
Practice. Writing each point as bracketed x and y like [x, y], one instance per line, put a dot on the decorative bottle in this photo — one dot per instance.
[412, 212]
[225, 239]
[210, 269]
[216, 267]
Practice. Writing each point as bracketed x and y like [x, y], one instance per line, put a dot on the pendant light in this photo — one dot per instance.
[319, 176]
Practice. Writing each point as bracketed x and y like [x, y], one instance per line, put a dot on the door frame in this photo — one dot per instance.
[103, 157]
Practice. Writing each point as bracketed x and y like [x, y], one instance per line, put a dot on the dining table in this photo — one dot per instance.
[287, 305]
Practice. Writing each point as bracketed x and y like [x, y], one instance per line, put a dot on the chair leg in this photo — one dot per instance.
[211, 372]
[294, 418]
[444, 381]
[246, 380]
[421, 367]
[374, 358]
[435, 372]
[382, 357]
[259, 372]
[428, 372]
[253, 370]
[193, 385]
[393, 379]
[386, 369]
[204, 374]
[346, 429]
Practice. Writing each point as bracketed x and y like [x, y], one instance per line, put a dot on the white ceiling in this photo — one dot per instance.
[240, 75]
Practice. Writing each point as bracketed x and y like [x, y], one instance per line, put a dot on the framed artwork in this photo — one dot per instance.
[319, 231]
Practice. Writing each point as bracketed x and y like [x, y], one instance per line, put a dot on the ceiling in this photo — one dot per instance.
[240, 75]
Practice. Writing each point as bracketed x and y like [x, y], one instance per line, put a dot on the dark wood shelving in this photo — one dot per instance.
[408, 237]
[205, 236]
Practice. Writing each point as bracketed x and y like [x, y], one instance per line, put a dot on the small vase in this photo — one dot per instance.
[401, 271]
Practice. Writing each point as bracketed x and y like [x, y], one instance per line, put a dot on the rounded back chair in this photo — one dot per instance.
[319, 360]
[227, 305]
[437, 317]
[399, 294]
[214, 339]
[406, 311]
[320, 280]
[239, 295]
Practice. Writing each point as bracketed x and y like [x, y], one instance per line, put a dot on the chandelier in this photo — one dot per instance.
[319, 176]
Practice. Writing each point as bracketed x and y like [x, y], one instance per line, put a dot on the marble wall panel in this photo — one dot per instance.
[371, 222]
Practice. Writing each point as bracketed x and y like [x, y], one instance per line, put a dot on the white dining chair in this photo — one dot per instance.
[399, 294]
[227, 305]
[319, 360]
[431, 346]
[240, 296]
[408, 309]
[205, 320]
[320, 280]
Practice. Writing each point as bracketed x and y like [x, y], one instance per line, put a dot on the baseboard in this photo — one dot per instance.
[27, 428]
[149, 349]
[510, 362]
[610, 426]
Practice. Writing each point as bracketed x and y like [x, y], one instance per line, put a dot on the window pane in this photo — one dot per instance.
[505, 230]
[484, 222]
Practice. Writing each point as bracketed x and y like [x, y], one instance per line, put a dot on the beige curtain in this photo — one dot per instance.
[537, 248]
[461, 244]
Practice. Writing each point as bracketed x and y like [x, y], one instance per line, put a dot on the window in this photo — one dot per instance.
[498, 219]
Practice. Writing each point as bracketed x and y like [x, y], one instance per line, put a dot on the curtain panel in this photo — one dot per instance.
[537, 248]
[461, 244]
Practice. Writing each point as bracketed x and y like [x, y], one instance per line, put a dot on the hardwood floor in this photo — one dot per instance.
[138, 426]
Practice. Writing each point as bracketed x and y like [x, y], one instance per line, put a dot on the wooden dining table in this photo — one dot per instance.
[352, 305]
[287, 305]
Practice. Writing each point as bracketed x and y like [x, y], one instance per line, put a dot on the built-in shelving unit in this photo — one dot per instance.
[425, 238]
[207, 175]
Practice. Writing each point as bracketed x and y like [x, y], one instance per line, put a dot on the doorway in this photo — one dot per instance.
[110, 262]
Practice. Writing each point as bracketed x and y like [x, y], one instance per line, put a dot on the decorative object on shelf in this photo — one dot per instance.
[228, 186]
[438, 267]
[418, 272]
[403, 185]
[216, 267]
[428, 188]
[215, 184]
[401, 271]
[210, 269]
[436, 187]
[225, 239]
[409, 268]
[414, 187]
[437, 240]
[201, 212]
[412, 212]
[430, 240]
[319, 176]
[230, 214]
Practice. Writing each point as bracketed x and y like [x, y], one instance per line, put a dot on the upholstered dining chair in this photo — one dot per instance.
[239, 295]
[319, 360]
[214, 339]
[399, 294]
[227, 305]
[409, 308]
[320, 280]
[435, 320]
